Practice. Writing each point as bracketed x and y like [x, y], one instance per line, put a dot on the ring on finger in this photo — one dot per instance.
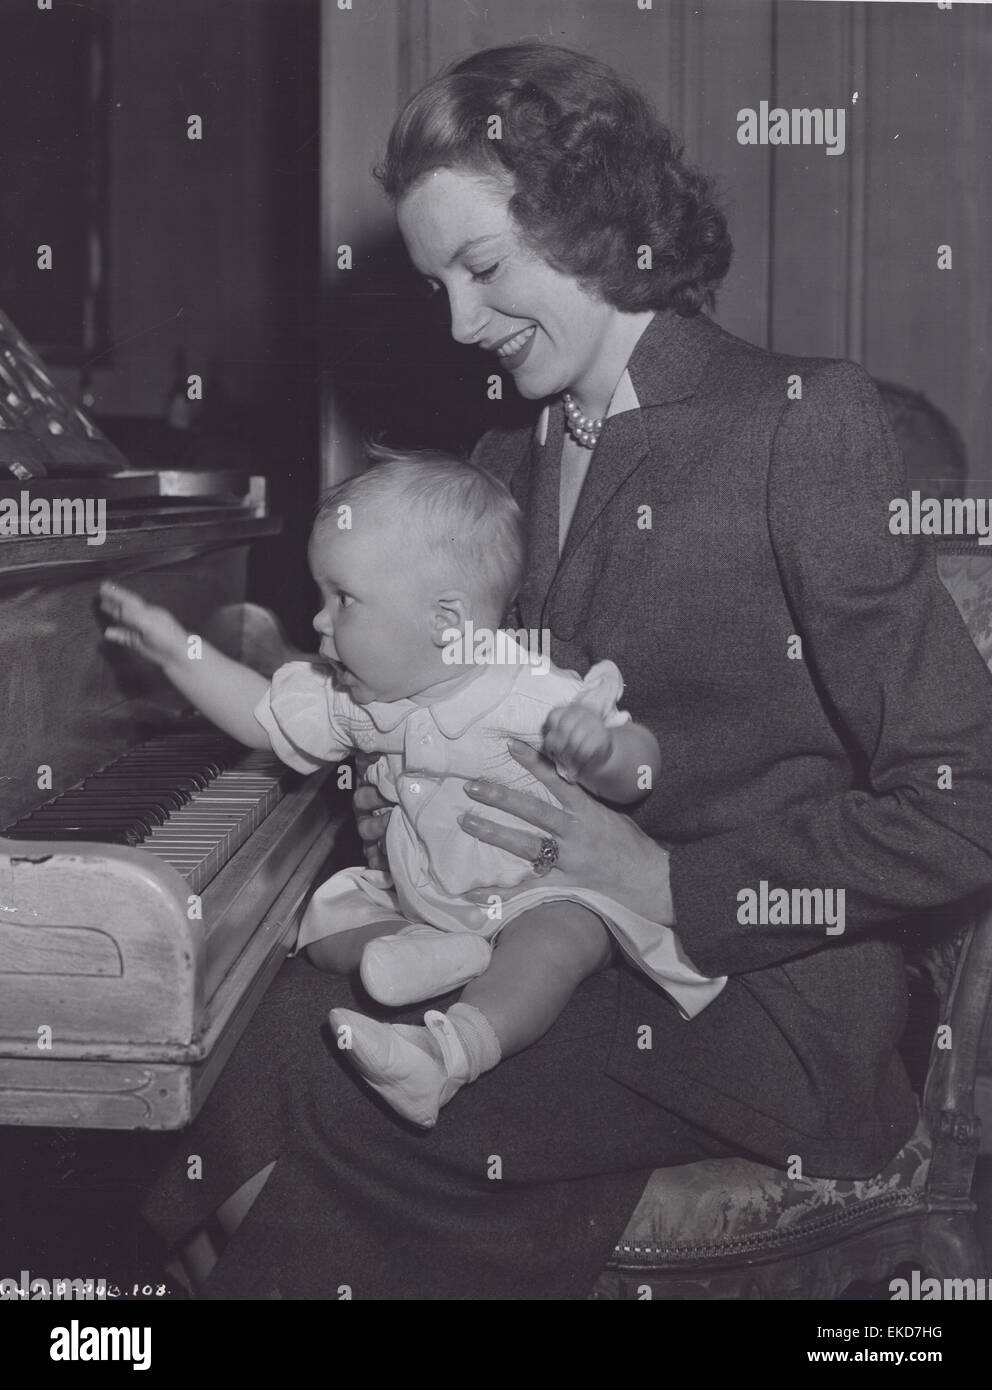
[547, 856]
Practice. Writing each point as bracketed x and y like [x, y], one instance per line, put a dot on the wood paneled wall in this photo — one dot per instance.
[212, 243]
[835, 255]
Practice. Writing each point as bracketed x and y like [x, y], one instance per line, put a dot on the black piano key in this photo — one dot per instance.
[142, 819]
[112, 801]
[109, 835]
[182, 786]
[161, 801]
[91, 825]
[208, 767]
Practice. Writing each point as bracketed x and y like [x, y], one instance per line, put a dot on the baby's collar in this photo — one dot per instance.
[453, 714]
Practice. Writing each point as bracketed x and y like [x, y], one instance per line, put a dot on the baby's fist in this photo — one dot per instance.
[577, 740]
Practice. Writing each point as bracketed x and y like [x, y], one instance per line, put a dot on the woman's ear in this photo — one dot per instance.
[449, 616]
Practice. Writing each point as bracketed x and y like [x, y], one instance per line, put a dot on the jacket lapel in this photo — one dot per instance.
[539, 500]
[621, 449]
[664, 368]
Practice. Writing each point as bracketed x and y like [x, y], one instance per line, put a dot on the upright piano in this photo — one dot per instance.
[152, 871]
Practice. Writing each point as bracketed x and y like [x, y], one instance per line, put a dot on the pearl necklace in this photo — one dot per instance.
[583, 431]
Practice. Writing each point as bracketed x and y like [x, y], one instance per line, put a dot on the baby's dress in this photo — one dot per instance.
[429, 747]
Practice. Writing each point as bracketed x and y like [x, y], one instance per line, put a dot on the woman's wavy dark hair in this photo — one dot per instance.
[596, 176]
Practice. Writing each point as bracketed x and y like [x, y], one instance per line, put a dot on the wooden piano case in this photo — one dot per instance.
[117, 1010]
[120, 995]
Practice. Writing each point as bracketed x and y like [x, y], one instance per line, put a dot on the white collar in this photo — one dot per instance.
[453, 714]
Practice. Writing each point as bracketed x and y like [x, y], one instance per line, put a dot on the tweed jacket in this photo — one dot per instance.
[807, 677]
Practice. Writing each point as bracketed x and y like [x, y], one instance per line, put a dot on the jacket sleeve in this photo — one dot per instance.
[900, 677]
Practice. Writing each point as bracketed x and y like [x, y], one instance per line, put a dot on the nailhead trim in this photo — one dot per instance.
[741, 1244]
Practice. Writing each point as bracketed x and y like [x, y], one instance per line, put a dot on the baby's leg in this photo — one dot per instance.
[539, 961]
[541, 958]
[341, 952]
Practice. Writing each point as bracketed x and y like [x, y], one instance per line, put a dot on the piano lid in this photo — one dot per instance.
[42, 433]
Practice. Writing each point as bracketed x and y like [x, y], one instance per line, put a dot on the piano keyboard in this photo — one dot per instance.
[191, 799]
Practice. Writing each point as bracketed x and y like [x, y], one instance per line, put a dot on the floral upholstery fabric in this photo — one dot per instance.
[968, 579]
[731, 1206]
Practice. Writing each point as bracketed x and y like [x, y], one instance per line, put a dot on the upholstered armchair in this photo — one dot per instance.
[729, 1228]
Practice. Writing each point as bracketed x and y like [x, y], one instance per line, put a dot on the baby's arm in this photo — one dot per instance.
[609, 762]
[222, 689]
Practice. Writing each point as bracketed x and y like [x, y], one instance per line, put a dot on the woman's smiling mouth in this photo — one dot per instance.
[513, 351]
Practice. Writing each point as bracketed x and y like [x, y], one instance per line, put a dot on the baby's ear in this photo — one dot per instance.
[448, 618]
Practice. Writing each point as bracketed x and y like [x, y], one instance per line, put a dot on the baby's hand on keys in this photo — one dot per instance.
[152, 632]
[577, 740]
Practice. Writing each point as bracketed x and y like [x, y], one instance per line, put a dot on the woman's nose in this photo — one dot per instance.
[466, 317]
[322, 623]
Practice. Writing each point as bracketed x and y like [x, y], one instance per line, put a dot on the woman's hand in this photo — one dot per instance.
[152, 632]
[371, 815]
[598, 849]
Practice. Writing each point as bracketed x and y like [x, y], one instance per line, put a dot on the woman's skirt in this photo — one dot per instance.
[520, 1192]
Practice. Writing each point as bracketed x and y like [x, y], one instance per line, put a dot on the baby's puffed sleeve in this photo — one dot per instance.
[601, 692]
[298, 713]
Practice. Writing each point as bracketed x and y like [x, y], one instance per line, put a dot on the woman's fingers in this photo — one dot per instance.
[520, 804]
[363, 761]
[368, 798]
[371, 813]
[539, 767]
[372, 827]
[526, 844]
[371, 819]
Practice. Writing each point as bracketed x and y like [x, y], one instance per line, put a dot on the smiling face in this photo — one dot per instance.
[546, 329]
[383, 616]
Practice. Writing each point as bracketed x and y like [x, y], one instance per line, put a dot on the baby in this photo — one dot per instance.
[411, 558]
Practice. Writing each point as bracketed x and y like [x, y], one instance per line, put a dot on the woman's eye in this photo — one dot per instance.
[484, 276]
[345, 600]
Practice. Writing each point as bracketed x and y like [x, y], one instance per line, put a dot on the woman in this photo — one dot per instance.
[713, 518]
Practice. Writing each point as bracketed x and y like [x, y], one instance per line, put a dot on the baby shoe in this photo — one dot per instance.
[421, 963]
[415, 1070]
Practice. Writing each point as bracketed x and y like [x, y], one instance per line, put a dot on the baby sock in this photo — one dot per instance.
[478, 1040]
[467, 1046]
[417, 1070]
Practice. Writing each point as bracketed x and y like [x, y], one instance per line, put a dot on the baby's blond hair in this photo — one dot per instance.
[451, 506]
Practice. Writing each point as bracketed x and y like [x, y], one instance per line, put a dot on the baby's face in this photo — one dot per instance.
[375, 625]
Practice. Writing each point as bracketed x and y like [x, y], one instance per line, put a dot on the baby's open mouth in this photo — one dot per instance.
[339, 673]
